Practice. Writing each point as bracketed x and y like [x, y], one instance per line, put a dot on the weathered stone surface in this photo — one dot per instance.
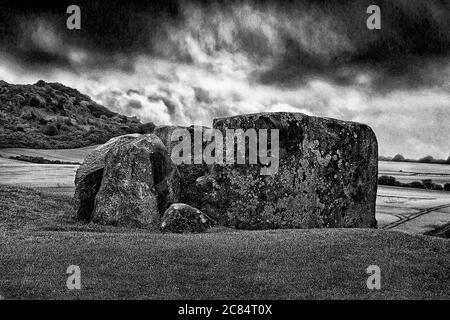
[327, 176]
[204, 194]
[180, 218]
[89, 175]
[139, 183]
[133, 172]
[188, 172]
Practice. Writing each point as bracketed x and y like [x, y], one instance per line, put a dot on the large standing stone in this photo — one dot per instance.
[130, 181]
[327, 175]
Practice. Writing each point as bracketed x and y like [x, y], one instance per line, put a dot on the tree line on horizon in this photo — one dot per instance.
[426, 159]
[423, 184]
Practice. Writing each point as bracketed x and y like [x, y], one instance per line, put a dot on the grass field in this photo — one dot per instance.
[20, 173]
[69, 155]
[38, 241]
[49, 177]
[288, 264]
[412, 210]
[406, 172]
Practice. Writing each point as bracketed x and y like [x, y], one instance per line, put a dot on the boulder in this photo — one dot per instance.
[129, 181]
[189, 172]
[326, 176]
[181, 218]
[139, 183]
[89, 176]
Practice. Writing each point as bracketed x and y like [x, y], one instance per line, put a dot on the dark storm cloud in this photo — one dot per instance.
[185, 62]
[297, 40]
[109, 28]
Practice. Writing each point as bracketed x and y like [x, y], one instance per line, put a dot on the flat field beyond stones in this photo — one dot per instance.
[413, 210]
[68, 155]
[54, 178]
[406, 172]
[38, 241]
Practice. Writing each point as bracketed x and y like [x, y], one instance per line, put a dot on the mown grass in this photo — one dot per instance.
[277, 264]
[27, 209]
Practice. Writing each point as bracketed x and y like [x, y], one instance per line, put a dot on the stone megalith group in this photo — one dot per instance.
[326, 177]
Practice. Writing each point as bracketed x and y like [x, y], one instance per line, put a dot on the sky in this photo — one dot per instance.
[187, 62]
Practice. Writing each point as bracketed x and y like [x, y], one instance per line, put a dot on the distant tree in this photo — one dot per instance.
[398, 157]
[416, 184]
[67, 121]
[50, 130]
[384, 158]
[426, 159]
[428, 183]
[448, 160]
[387, 181]
[148, 127]
[447, 187]
[19, 128]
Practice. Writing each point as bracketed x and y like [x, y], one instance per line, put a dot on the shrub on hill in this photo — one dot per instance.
[50, 130]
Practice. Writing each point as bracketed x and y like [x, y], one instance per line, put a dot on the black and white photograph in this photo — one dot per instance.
[242, 152]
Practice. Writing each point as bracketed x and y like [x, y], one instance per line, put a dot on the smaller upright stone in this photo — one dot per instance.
[139, 183]
[90, 173]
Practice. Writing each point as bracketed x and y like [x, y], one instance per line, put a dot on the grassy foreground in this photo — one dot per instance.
[279, 264]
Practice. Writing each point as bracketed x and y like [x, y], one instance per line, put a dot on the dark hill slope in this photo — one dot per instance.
[53, 116]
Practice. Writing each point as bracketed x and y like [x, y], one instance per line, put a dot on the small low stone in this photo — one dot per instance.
[182, 218]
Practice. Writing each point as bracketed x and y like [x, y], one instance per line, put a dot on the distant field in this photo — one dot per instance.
[48, 177]
[70, 155]
[13, 172]
[410, 171]
[412, 210]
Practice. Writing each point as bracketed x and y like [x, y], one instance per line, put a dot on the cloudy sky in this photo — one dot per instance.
[185, 62]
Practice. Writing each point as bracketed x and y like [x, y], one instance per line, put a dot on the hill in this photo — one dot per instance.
[53, 116]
